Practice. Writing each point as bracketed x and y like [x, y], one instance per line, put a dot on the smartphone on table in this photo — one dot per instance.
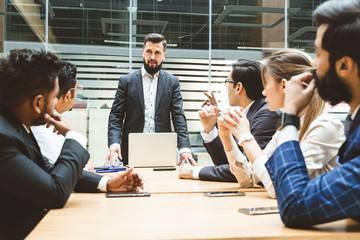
[164, 169]
[128, 194]
[224, 194]
[259, 210]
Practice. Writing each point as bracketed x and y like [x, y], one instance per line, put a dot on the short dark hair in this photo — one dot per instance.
[26, 73]
[155, 38]
[343, 34]
[249, 74]
[67, 78]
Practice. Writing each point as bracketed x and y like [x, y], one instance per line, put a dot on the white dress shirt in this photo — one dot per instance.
[149, 89]
[51, 144]
[320, 145]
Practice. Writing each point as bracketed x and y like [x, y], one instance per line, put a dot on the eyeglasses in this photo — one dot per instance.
[227, 81]
[79, 88]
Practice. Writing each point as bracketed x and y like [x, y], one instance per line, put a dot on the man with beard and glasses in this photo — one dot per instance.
[30, 185]
[144, 102]
[334, 195]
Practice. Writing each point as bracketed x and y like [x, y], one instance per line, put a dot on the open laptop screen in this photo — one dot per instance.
[152, 149]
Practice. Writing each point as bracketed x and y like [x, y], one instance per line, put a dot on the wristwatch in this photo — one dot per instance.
[286, 119]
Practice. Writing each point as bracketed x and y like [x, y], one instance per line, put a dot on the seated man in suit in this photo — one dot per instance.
[50, 144]
[244, 88]
[29, 184]
[334, 195]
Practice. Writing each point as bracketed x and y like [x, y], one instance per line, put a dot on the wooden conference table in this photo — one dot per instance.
[177, 209]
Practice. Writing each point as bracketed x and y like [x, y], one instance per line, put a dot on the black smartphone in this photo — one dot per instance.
[224, 194]
[128, 194]
[165, 169]
[259, 210]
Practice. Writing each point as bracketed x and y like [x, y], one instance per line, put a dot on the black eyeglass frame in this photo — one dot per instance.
[227, 81]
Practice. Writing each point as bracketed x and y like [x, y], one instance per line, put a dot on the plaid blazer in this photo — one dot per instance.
[328, 197]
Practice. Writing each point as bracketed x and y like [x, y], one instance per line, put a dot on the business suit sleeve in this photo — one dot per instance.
[328, 197]
[216, 150]
[20, 176]
[220, 173]
[178, 116]
[117, 113]
[88, 183]
[263, 127]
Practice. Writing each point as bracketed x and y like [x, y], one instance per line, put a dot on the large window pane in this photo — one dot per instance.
[302, 29]
[25, 24]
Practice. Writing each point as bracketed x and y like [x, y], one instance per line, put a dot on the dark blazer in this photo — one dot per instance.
[127, 112]
[262, 126]
[29, 184]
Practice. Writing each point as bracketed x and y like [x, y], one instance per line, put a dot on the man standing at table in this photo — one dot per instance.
[144, 101]
[29, 184]
[334, 195]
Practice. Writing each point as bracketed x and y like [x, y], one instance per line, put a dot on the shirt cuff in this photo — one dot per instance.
[288, 133]
[77, 137]
[115, 144]
[196, 171]
[184, 150]
[209, 137]
[103, 183]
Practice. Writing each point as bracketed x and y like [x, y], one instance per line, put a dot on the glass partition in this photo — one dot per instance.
[24, 25]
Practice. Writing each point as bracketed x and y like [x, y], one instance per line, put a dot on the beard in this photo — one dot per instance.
[331, 88]
[152, 70]
[40, 120]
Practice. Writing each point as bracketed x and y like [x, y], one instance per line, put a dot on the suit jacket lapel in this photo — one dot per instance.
[140, 89]
[160, 88]
[33, 148]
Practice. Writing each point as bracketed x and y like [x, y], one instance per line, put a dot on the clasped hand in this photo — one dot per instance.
[234, 120]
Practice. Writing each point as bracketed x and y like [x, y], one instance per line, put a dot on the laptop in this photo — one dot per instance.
[152, 149]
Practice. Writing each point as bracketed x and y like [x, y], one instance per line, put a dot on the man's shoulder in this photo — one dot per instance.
[131, 75]
[6, 128]
[168, 75]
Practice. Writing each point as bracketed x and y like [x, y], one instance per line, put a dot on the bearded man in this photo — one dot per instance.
[332, 196]
[144, 101]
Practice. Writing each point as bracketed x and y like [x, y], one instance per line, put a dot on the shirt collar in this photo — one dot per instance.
[145, 73]
[246, 110]
[353, 114]
[27, 130]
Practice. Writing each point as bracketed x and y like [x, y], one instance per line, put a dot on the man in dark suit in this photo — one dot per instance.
[29, 184]
[144, 101]
[244, 88]
[334, 195]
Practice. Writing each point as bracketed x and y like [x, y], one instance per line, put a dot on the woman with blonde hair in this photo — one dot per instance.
[320, 133]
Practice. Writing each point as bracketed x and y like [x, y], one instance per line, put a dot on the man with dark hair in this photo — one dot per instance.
[244, 87]
[50, 144]
[144, 101]
[334, 195]
[29, 183]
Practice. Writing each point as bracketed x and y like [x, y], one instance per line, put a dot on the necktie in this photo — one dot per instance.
[347, 124]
